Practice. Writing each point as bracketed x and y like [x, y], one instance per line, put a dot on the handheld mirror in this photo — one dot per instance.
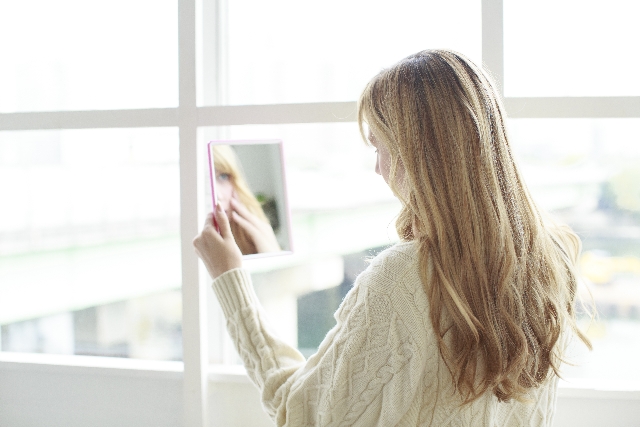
[248, 181]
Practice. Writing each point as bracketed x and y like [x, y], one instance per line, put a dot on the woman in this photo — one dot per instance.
[249, 224]
[464, 322]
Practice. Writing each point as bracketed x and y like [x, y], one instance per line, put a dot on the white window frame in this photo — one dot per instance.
[188, 117]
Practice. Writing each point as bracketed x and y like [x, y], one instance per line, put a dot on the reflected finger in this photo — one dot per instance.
[243, 211]
[244, 223]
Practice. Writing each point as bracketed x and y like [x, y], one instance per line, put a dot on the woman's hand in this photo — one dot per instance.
[259, 231]
[218, 251]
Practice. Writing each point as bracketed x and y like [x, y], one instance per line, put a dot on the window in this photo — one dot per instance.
[93, 232]
[571, 48]
[99, 95]
[585, 171]
[74, 55]
[286, 51]
[93, 224]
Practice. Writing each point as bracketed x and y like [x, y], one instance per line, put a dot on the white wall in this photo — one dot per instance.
[41, 394]
[51, 391]
[235, 402]
[584, 408]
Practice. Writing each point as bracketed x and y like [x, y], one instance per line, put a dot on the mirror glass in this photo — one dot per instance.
[248, 181]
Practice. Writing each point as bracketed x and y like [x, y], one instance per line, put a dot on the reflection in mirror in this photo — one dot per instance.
[247, 180]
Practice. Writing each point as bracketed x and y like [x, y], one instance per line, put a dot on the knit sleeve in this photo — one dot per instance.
[366, 371]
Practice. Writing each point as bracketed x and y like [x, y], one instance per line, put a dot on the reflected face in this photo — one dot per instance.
[224, 190]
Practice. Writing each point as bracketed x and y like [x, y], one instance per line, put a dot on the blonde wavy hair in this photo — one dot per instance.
[499, 274]
[225, 161]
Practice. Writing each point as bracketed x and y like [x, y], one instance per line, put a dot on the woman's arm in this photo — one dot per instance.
[366, 371]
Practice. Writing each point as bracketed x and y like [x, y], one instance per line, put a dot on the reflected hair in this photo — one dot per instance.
[499, 274]
[226, 161]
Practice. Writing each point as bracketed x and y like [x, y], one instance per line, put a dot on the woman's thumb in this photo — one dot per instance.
[223, 222]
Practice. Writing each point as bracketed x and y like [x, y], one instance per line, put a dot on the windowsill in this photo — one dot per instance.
[228, 374]
[599, 389]
[570, 388]
[91, 365]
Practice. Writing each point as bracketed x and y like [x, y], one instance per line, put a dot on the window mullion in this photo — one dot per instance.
[573, 107]
[493, 40]
[194, 315]
[37, 120]
[316, 112]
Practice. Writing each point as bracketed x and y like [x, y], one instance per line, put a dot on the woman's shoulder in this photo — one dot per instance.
[397, 259]
[395, 269]
[393, 280]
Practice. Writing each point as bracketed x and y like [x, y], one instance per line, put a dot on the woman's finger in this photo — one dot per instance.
[208, 221]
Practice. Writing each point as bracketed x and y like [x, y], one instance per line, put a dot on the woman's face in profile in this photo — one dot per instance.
[224, 190]
[383, 158]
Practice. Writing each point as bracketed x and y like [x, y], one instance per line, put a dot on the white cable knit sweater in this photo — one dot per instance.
[379, 366]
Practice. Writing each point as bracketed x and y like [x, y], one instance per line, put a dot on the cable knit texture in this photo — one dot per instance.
[379, 366]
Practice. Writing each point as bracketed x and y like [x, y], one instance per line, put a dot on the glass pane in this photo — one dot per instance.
[290, 51]
[327, 164]
[571, 48]
[89, 242]
[80, 55]
[587, 172]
